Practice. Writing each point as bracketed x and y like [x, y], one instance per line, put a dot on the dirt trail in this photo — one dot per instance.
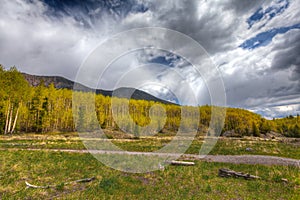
[236, 159]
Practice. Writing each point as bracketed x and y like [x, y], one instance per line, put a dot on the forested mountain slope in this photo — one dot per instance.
[63, 83]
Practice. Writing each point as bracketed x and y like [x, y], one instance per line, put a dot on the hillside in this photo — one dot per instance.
[63, 83]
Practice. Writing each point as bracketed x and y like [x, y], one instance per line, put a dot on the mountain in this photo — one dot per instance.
[61, 82]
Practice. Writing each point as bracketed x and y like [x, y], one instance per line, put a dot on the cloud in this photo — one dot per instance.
[200, 20]
[255, 45]
[287, 51]
[266, 78]
[38, 44]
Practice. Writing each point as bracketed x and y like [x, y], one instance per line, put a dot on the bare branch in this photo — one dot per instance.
[35, 186]
[85, 180]
[230, 173]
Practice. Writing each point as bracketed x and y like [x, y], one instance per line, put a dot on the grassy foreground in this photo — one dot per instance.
[175, 182]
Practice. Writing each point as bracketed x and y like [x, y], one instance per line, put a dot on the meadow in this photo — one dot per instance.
[282, 147]
[174, 182]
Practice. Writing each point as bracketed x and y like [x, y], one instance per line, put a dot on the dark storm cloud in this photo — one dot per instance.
[288, 56]
[288, 52]
[212, 24]
[243, 6]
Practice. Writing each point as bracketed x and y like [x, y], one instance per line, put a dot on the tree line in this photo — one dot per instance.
[41, 109]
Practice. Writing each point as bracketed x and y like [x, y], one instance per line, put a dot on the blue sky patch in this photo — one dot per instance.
[161, 60]
[168, 60]
[264, 38]
[89, 11]
[279, 7]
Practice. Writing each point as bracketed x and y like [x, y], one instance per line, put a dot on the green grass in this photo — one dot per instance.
[228, 146]
[224, 146]
[42, 144]
[175, 182]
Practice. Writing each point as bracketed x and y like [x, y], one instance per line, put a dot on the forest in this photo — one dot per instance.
[41, 109]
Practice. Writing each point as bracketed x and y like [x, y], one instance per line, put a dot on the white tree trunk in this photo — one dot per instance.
[7, 118]
[15, 121]
[10, 119]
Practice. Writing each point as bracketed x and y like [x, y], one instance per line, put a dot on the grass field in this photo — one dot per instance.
[175, 182]
[225, 146]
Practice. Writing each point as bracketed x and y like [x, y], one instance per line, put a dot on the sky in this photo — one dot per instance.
[254, 44]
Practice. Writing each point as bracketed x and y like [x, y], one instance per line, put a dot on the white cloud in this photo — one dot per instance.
[39, 43]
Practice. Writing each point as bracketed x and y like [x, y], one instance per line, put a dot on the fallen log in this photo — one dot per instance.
[175, 162]
[230, 173]
[85, 180]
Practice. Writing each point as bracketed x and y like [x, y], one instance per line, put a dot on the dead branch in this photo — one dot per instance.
[230, 173]
[28, 185]
[85, 180]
